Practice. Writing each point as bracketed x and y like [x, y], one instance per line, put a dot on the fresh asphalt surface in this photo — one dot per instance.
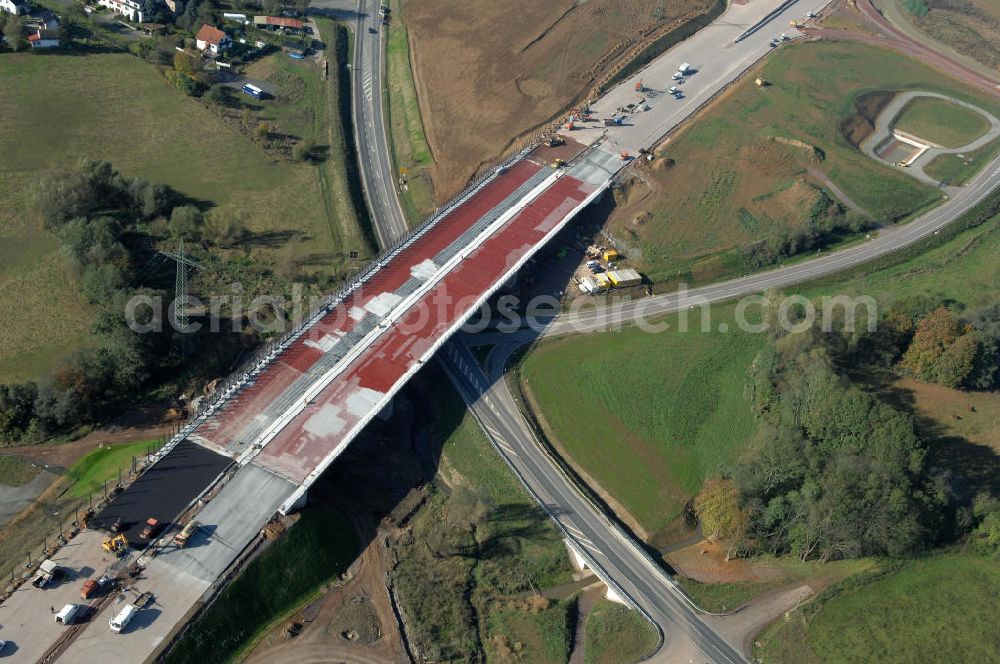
[163, 491]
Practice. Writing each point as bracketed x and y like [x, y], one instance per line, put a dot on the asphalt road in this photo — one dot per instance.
[374, 155]
[616, 557]
[612, 554]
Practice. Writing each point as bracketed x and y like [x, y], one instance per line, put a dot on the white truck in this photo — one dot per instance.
[47, 571]
[124, 617]
[684, 69]
[68, 614]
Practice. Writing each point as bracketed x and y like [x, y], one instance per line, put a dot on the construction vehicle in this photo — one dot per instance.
[47, 571]
[555, 140]
[116, 545]
[638, 85]
[150, 529]
[181, 538]
[624, 155]
[89, 589]
[558, 163]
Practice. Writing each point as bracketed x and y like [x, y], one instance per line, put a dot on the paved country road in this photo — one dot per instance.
[374, 155]
[618, 559]
[367, 84]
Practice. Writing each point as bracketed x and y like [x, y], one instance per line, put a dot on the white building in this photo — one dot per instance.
[211, 39]
[14, 6]
[130, 9]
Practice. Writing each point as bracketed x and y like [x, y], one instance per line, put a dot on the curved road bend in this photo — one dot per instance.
[887, 241]
[374, 154]
[618, 557]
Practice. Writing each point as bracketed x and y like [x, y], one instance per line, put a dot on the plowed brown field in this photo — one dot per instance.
[488, 72]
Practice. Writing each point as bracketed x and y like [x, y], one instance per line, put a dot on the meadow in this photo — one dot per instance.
[616, 634]
[411, 152]
[932, 609]
[647, 416]
[756, 164]
[115, 107]
[941, 121]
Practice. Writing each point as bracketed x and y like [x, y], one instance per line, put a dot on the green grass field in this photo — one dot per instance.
[116, 107]
[617, 635]
[406, 130]
[648, 416]
[538, 638]
[313, 552]
[964, 269]
[732, 183]
[102, 465]
[941, 122]
[935, 609]
[723, 597]
[956, 169]
[17, 471]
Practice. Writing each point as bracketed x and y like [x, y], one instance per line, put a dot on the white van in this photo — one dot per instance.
[68, 614]
[124, 617]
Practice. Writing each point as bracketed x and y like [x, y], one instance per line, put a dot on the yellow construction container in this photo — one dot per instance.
[602, 281]
[624, 278]
[611, 255]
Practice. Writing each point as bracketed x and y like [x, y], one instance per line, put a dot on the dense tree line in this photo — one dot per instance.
[94, 211]
[834, 471]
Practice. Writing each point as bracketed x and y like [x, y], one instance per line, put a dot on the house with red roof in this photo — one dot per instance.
[212, 40]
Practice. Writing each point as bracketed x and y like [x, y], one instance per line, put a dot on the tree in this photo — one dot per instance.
[935, 333]
[65, 31]
[185, 222]
[224, 227]
[13, 31]
[303, 150]
[955, 365]
[187, 64]
[721, 514]
[217, 94]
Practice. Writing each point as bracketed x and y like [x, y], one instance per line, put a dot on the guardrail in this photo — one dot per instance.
[250, 369]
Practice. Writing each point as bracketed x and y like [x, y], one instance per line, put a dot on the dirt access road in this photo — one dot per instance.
[888, 36]
[488, 72]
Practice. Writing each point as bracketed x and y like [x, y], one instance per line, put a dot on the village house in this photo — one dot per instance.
[44, 39]
[130, 9]
[212, 40]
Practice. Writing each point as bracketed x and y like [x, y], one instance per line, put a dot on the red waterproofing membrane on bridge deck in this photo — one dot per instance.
[301, 356]
[312, 435]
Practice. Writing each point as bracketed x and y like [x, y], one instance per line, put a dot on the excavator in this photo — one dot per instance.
[116, 545]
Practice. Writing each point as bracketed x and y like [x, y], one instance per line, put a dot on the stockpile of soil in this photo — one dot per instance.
[859, 126]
